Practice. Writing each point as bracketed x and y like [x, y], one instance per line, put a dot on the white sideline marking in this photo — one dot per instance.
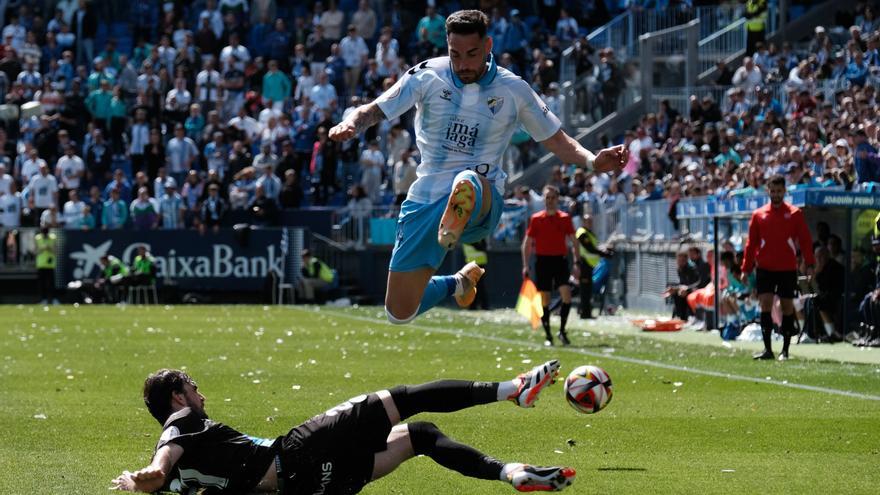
[643, 362]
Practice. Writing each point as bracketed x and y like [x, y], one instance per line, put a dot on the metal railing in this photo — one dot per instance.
[679, 98]
[724, 45]
[622, 32]
[352, 229]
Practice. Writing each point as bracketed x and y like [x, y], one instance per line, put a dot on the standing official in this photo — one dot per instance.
[775, 231]
[46, 261]
[589, 255]
[549, 235]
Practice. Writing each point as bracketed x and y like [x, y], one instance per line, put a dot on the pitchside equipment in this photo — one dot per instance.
[588, 389]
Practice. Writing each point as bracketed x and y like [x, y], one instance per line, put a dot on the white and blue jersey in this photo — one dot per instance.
[169, 207]
[464, 126]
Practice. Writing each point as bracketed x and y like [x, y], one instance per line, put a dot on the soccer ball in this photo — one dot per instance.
[588, 389]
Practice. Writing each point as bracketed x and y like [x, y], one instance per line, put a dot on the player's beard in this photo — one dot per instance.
[198, 409]
[467, 77]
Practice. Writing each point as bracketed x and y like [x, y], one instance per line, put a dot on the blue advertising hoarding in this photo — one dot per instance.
[223, 260]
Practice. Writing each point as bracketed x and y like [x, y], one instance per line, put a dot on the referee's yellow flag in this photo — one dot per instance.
[529, 303]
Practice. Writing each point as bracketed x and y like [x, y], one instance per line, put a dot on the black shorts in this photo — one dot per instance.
[333, 453]
[550, 272]
[783, 284]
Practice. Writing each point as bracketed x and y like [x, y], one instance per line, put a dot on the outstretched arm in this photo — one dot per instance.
[570, 151]
[357, 122]
[152, 477]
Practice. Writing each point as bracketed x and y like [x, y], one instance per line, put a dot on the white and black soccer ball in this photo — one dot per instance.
[588, 389]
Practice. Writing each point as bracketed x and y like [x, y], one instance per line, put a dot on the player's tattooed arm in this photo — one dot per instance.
[360, 120]
[570, 151]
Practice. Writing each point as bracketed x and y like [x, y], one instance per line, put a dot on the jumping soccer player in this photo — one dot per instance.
[339, 451]
[775, 231]
[467, 109]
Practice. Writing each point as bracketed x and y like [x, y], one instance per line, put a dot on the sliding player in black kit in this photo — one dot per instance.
[337, 452]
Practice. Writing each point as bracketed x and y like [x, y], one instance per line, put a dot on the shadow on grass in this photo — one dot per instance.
[624, 469]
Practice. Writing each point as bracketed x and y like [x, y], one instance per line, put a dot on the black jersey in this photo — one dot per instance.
[215, 457]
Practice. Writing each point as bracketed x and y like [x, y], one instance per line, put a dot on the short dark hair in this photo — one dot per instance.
[776, 180]
[467, 22]
[158, 388]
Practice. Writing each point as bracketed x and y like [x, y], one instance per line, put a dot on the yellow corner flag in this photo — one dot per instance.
[529, 303]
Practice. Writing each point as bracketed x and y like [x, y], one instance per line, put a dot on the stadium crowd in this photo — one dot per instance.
[173, 114]
[810, 115]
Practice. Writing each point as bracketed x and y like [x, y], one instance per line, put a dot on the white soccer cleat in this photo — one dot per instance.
[541, 479]
[470, 275]
[532, 382]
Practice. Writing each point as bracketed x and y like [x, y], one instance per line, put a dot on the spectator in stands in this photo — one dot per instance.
[264, 210]
[86, 220]
[181, 153]
[171, 207]
[114, 213]
[404, 175]
[10, 219]
[242, 188]
[69, 170]
[144, 211]
[365, 21]
[50, 218]
[291, 192]
[72, 213]
[319, 48]
[431, 33]
[99, 159]
[355, 53]
[270, 182]
[213, 209]
[610, 79]
[566, 28]
[191, 193]
[748, 76]
[372, 164]
[30, 165]
[323, 166]
[276, 86]
[43, 191]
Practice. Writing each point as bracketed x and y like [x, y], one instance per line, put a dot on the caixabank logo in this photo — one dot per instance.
[183, 256]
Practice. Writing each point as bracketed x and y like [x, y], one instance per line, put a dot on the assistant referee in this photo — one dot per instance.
[550, 236]
[775, 231]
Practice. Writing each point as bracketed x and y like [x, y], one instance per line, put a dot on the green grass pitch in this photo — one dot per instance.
[686, 417]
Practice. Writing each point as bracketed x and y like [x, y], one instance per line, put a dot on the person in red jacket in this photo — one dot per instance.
[776, 231]
[550, 236]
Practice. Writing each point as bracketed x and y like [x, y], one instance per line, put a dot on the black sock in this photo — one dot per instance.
[766, 329]
[545, 321]
[787, 329]
[428, 440]
[442, 396]
[563, 314]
